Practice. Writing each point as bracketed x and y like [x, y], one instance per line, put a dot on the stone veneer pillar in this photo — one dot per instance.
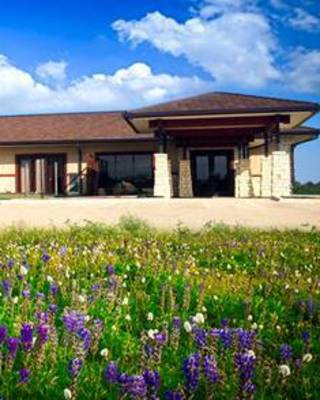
[266, 176]
[185, 179]
[162, 176]
[243, 181]
[281, 173]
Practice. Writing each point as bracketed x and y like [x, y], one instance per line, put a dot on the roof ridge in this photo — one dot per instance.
[62, 114]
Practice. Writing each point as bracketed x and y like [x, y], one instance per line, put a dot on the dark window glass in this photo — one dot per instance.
[126, 173]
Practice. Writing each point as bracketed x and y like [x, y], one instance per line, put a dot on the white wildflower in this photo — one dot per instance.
[254, 326]
[81, 298]
[215, 298]
[309, 280]
[204, 309]
[23, 270]
[125, 301]
[152, 332]
[307, 358]
[187, 326]
[284, 370]
[250, 318]
[67, 394]
[143, 280]
[128, 317]
[199, 318]
[104, 353]
[150, 316]
[15, 300]
[124, 284]
[49, 278]
[251, 353]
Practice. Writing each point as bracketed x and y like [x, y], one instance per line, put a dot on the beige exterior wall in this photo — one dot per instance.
[258, 176]
[8, 158]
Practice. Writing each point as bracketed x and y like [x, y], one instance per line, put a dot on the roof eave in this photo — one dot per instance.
[313, 108]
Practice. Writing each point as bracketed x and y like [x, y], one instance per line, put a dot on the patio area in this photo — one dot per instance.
[193, 213]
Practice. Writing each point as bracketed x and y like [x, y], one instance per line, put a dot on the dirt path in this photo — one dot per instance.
[193, 213]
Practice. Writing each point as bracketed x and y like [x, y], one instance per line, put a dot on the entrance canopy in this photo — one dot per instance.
[221, 119]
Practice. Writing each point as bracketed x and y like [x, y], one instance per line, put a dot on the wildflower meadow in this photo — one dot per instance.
[128, 312]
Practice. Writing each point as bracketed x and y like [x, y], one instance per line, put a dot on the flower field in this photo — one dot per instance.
[131, 313]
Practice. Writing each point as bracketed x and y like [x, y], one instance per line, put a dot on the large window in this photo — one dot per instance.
[125, 174]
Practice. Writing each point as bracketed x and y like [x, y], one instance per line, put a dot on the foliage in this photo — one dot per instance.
[309, 188]
[129, 312]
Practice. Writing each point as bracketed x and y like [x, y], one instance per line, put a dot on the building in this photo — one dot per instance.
[215, 144]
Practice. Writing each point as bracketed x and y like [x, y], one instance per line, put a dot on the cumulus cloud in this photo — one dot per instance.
[52, 71]
[303, 71]
[236, 47]
[304, 21]
[129, 87]
[209, 8]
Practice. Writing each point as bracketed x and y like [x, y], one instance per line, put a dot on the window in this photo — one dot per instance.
[121, 174]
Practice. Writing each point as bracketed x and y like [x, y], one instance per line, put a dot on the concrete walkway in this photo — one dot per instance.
[194, 213]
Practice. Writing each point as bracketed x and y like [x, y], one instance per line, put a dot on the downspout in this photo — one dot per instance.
[80, 169]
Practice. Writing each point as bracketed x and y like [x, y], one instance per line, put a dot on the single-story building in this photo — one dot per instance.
[215, 144]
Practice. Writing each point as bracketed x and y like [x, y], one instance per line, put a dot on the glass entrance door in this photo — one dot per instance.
[212, 173]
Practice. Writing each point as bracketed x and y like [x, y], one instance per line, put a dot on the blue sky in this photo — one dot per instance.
[102, 55]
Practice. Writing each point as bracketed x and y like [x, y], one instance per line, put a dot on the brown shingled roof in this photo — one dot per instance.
[65, 127]
[221, 102]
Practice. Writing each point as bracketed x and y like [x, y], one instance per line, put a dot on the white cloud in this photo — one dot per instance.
[236, 48]
[303, 71]
[129, 87]
[52, 71]
[304, 21]
[209, 8]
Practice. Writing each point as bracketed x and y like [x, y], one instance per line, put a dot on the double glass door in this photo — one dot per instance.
[43, 174]
[212, 173]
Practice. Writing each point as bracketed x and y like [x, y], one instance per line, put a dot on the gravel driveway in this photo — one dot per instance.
[194, 213]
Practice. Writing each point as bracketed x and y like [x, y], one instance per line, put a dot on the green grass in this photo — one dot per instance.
[262, 281]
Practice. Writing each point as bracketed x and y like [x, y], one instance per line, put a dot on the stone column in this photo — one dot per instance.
[243, 180]
[281, 173]
[185, 179]
[266, 176]
[162, 176]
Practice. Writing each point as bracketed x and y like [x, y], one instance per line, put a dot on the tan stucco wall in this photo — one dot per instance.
[8, 156]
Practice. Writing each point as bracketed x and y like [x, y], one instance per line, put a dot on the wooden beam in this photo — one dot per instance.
[261, 121]
[219, 133]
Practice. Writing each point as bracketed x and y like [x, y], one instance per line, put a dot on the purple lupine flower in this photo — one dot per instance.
[135, 386]
[3, 333]
[191, 369]
[53, 289]
[73, 321]
[26, 336]
[20, 277]
[42, 316]
[43, 333]
[110, 270]
[285, 352]
[200, 337]
[225, 336]
[225, 323]
[74, 367]
[176, 322]
[24, 376]
[210, 369]
[245, 363]
[63, 251]
[26, 293]
[95, 287]
[53, 308]
[10, 264]
[12, 345]
[173, 395]
[249, 388]
[111, 373]
[245, 339]
[45, 257]
[40, 295]
[85, 336]
[152, 379]
[160, 338]
[6, 286]
[305, 336]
